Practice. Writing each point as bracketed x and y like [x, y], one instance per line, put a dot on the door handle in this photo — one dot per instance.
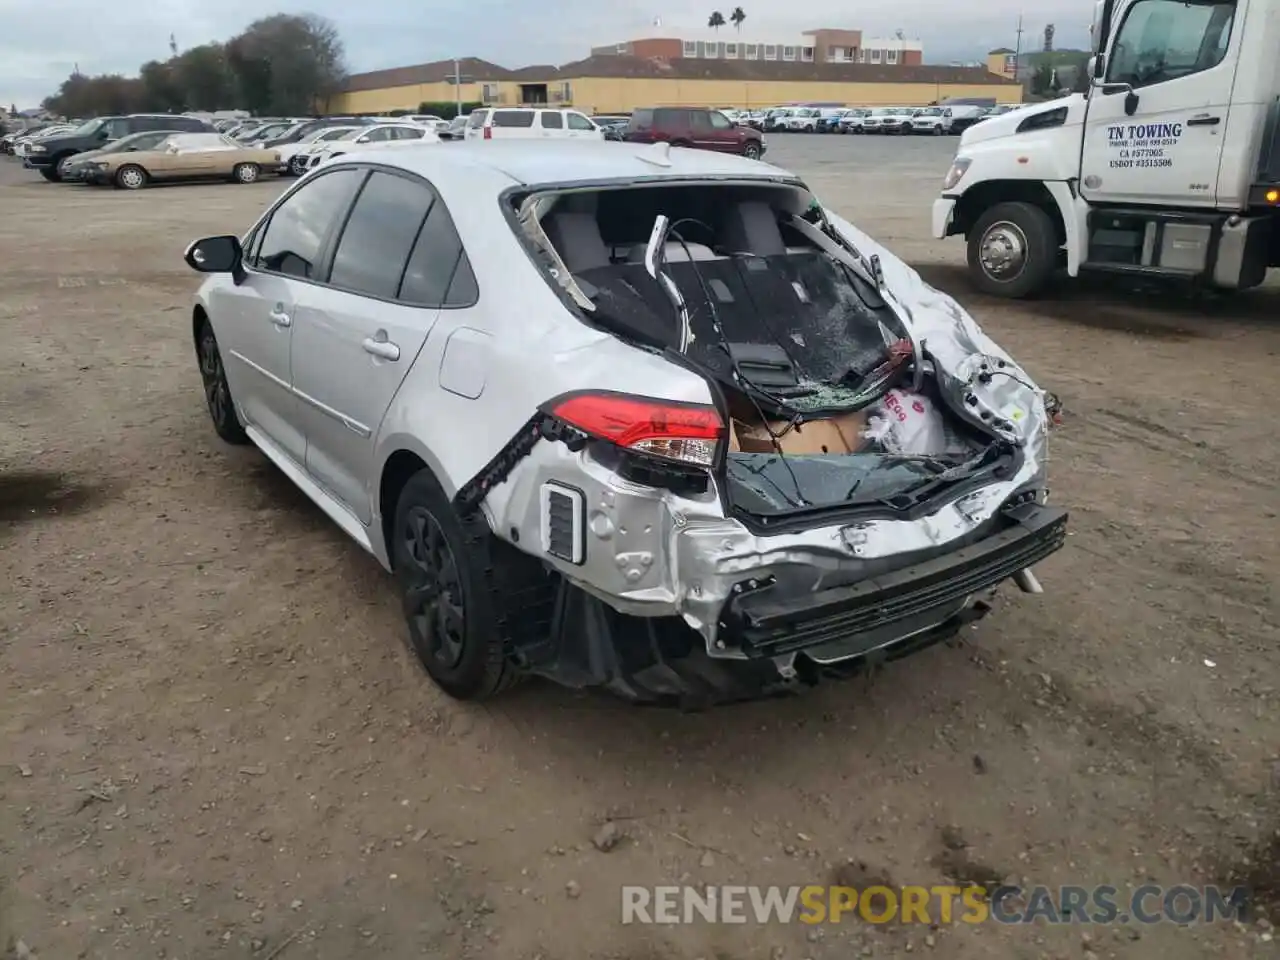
[381, 348]
[280, 318]
[1204, 120]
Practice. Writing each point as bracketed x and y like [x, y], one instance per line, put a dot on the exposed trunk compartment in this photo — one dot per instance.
[830, 401]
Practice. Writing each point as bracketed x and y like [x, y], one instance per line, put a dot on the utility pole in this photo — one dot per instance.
[1017, 51]
[457, 79]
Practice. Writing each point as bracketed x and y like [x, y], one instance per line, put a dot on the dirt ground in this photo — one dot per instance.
[215, 743]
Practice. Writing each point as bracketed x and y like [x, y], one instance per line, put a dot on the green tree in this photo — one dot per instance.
[287, 64]
[159, 87]
[716, 21]
[283, 64]
[203, 78]
[737, 17]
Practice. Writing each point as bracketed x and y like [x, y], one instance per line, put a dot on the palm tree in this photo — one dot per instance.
[716, 20]
[737, 17]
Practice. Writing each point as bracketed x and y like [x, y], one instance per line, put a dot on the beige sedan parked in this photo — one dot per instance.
[183, 156]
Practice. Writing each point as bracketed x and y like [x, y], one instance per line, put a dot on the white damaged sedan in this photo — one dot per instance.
[639, 418]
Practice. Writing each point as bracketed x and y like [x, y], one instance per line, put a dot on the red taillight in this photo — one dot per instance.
[688, 433]
[488, 133]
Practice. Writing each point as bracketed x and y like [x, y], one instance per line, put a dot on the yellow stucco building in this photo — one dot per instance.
[619, 84]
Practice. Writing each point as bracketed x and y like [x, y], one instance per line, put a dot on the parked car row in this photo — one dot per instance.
[133, 151]
[937, 120]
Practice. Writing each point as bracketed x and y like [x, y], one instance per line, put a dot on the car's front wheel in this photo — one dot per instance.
[442, 565]
[131, 177]
[751, 151]
[51, 174]
[245, 173]
[217, 394]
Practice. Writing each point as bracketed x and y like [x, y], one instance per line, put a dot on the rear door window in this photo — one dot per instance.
[513, 118]
[439, 273]
[551, 120]
[371, 254]
[641, 120]
[671, 119]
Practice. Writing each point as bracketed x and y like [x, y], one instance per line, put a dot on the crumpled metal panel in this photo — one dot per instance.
[654, 553]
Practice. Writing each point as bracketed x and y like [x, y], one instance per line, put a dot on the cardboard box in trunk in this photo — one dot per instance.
[830, 435]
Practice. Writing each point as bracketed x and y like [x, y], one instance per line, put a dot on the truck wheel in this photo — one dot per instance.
[1013, 249]
[51, 174]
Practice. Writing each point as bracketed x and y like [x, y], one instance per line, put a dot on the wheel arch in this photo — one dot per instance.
[981, 197]
[404, 459]
[199, 316]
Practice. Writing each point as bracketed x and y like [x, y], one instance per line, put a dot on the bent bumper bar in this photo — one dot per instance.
[880, 610]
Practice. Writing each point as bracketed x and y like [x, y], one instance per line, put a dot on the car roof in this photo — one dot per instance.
[505, 164]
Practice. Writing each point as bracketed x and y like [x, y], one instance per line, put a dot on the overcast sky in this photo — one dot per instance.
[41, 41]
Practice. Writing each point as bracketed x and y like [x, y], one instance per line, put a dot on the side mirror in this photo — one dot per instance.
[216, 255]
[1098, 66]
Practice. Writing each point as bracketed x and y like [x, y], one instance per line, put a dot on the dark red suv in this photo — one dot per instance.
[694, 127]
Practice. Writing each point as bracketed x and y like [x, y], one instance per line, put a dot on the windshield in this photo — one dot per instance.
[337, 134]
[930, 112]
[88, 127]
[353, 133]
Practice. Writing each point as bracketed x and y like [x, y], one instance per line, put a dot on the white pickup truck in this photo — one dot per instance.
[1168, 168]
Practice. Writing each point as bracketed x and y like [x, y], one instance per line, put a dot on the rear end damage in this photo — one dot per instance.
[861, 478]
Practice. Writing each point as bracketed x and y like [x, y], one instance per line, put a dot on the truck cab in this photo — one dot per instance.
[1168, 168]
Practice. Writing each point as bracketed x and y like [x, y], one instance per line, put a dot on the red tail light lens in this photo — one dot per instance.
[488, 133]
[683, 432]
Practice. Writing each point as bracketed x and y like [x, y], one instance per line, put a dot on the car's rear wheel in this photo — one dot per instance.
[442, 564]
[217, 394]
[751, 151]
[131, 177]
[245, 172]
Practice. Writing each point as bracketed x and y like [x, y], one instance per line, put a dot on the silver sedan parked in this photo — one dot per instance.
[632, 417]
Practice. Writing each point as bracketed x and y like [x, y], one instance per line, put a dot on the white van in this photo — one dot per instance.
[500, 123]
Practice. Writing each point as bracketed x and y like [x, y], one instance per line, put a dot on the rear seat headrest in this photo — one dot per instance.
[576, 237]
[752, 227]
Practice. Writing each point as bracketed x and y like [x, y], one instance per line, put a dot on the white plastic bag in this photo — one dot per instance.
[907, 423]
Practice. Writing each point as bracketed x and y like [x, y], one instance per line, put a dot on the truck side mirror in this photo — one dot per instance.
[1098, 66]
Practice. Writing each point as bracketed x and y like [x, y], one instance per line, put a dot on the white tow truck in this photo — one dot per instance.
[1168, 168]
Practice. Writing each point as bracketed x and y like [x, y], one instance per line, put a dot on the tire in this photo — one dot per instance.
[131, 177]
[681, 143]
[217, 393]
[51, 174]
[751, 151]
[937, 131]
[298, 165]
[1013, 250]
[442, 566]
[245, 173]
